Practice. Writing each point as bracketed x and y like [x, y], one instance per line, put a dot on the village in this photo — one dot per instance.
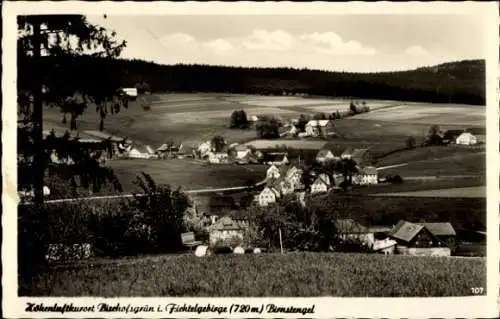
[332, 170]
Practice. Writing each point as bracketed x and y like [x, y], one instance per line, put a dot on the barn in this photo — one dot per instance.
[415, 239]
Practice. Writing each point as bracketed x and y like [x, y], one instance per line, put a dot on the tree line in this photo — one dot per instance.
[457, 82]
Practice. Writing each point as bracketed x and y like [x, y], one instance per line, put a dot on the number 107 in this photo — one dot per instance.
[477, 290]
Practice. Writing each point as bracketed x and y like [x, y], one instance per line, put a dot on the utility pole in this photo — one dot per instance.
[39, 162]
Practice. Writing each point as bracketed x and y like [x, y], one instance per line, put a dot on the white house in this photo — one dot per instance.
[466, 138]
[366, 176]
[267, 196]
[320, 185]
[294, 176]
[137, 152]
[217, 158]
[204, 148]
[273, 172]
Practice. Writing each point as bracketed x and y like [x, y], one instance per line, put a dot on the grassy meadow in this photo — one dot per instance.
[189, 174]
[266, 275]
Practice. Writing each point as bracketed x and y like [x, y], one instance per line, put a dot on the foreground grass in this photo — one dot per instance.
[294, 274]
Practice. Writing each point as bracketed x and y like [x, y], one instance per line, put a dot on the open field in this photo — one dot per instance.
[189, 174]
[430, 114]
[410, 186]
[430, 153]
[290, 275]
[473, 164]
[197, 116]
[462, 192]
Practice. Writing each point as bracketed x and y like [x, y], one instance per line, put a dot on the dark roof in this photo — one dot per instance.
[406, 231]
[451, 134]
[226, 223]
[476, 130]
[440, 229]
[369, 170]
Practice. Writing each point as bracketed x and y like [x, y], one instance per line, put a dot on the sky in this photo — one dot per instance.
[351, 43]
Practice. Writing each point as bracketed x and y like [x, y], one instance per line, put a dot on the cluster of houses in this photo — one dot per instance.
[283, 180]
[230, 153]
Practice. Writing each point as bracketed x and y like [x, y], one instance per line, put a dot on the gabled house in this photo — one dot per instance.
[366, 176]
[321, 184]
[225, 229]
[294, 176]
[347, 153]
[268, 196]
[325, 155]
[466, 138]
[273, 173]
[415, 239]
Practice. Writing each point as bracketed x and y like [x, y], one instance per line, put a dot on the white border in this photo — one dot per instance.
[487, 306]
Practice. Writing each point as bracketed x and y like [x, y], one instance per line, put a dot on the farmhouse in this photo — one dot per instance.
[443, 231]
[321, 184]
[351, 229]
[320, 128]
[224, 229]
[478, 132]
[366, 176]
[466, 138]
[267, 196]
[414, 239]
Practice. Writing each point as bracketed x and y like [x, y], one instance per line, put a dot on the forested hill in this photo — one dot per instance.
[454, 82]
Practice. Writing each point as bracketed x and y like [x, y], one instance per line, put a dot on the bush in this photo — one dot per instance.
[239, 120]
[396, 179]
[219, 249]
